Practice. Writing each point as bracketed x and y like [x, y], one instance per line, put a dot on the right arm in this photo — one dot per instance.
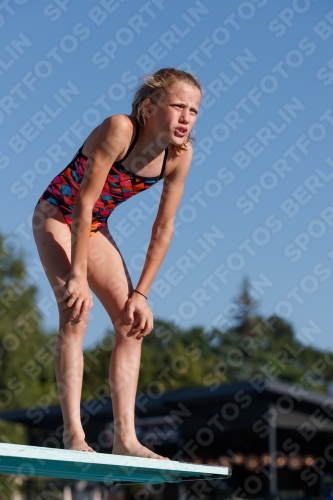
[109, 143]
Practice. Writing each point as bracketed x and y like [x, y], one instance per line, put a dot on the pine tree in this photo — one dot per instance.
[246, 307]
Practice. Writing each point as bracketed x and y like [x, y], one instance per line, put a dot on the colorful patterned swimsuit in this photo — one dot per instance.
[119, 185]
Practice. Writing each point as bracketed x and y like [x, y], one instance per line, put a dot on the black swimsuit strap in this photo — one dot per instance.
[80, 152]
[164, 162]
[131, 148]
[133, 143]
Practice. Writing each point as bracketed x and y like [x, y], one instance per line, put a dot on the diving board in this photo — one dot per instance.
[36, 461]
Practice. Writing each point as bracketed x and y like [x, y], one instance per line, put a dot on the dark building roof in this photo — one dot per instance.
[293, 403]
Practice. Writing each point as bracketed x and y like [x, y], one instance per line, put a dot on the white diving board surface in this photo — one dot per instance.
[35, 461]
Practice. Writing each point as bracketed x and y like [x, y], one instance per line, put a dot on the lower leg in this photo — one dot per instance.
[124, 374]
[69, 373]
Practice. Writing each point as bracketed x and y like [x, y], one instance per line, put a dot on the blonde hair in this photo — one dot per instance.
[155, 86]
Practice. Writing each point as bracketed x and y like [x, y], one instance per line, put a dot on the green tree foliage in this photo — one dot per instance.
[268, 348]
[254, 347]
[26, 358]
[27, 369]
[170, 359]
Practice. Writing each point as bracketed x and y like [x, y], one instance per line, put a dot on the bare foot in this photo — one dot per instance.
[78, 445]
[135, 450]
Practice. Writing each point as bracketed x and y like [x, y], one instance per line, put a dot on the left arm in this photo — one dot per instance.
[162, 231]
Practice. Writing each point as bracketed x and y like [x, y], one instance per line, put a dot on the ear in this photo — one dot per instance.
[149, 108]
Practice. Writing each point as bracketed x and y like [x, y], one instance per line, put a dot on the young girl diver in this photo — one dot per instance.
[121, 157]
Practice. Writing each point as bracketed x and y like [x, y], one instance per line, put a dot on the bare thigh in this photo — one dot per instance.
[109, 279]
[53, 240]
[107, 273]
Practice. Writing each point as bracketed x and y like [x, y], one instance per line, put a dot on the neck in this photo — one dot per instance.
[150, 144]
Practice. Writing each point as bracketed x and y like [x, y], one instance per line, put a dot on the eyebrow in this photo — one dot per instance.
[179, 101]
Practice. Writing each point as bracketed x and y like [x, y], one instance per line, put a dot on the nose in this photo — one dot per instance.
[185, 116]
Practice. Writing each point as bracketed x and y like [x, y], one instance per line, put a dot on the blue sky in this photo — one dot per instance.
[257, 200]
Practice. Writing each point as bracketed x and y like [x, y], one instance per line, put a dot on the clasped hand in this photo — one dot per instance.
[139, 314]
[77, 296]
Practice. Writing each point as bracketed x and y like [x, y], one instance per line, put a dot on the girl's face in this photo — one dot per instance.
[175, 114]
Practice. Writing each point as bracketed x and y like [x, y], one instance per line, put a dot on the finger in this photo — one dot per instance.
[64, 307]
[84, 309]
[148, 327]
[141, 325]
[65, 296]
[76, 309]
[145, 330]
[130, 314]
[136, 321]
[137, 327]
[72, 299]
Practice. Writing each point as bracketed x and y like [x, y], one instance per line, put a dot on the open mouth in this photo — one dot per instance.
[182, 131]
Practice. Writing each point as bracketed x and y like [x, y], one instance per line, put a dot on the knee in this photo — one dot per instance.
[122, 331]
[72, 328]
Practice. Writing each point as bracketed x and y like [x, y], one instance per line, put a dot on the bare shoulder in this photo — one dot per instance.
[121, 129]
[118, 124]
[115, 131]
